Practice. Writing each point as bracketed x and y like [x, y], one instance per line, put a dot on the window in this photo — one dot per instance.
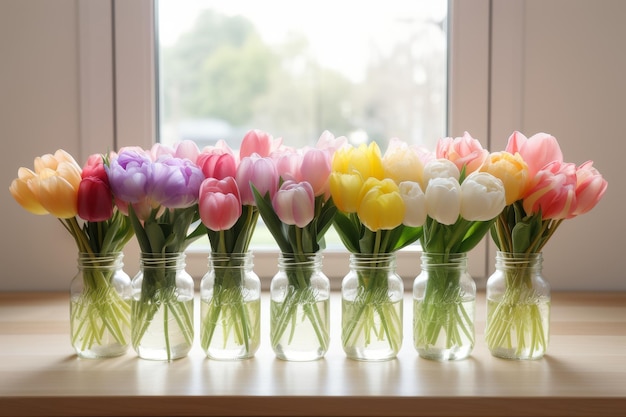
[367, 71]
[304, 63]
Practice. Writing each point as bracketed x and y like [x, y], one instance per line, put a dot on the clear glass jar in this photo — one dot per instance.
[162, 307]
[100, 306]
[371, 297]
[300, 308]
[444, 301]
[518, 307]
[231, 307]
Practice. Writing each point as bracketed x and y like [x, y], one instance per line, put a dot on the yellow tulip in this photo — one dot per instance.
[511, 170]
[345, 190]
[364, 160]
[52, 188]
[381, 206]
[402, 162]
[22, 191]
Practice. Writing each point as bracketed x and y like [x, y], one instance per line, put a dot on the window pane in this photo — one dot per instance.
[366, 70]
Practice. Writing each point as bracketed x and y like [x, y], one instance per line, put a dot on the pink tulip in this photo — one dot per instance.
[294, 203]
[315, 169]
[95, 200]
[288, 161]
[463, 151]
[261, 172]
[537, 151]
[217, 163]
[329, 142]
[187, 149]
[553, 191]
[94, 167]
[590, 187]
[261, 143]
[219, 203]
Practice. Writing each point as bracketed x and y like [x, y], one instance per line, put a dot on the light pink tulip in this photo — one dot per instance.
[537, 151]
[553, 191]
[261, 172]
[590, 187]
[288, 161]
[294, 203]
[315, 169]
[187, 149]
[463, 151]
[259, 142]
[219, 203]
[329, 142]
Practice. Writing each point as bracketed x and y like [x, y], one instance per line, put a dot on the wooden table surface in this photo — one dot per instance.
[584, 372]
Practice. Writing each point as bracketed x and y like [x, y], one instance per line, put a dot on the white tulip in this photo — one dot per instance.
[439, 168]
[482, 197]
[415, 203]
[443, 200]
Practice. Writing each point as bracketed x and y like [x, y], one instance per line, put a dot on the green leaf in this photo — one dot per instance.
[347, 232]
[271, 219]
[476, 232]
[140, 233]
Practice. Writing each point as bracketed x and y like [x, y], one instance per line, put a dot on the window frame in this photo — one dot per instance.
[131, 93]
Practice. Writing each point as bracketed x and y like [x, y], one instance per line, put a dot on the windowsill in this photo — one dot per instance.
[583, 374]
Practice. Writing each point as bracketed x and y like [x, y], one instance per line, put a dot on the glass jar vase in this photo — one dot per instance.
[300, 308]
[231, 307]
[518, 307]
[444, 300]
[100, 306]
[162, 307]
[371, 297]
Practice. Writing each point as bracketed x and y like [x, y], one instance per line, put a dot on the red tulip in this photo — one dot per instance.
[95, 201]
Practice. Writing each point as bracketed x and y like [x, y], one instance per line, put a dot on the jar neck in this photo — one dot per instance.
[291, 261]
[174, 260]
[444, 260]
[218, 260]
[97, 261]
[361, 262]
[510, 260]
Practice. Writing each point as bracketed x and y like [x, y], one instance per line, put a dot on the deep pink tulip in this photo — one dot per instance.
[217, 163]
[94, 167]
[590, 187]
[537, 151]
[261, 172]
[259, 142]
[95, 200]
[553, 191]
[463, 151]
[294, 203]
[219, 203]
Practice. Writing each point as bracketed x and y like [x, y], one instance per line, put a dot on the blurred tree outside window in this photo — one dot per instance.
[370, 71]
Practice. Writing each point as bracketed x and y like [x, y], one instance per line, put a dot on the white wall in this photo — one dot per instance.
[557, 66]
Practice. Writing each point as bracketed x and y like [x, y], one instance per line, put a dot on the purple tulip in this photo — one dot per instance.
[129, 176]
[175, 182]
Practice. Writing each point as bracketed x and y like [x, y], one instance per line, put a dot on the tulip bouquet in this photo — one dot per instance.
[298, 215]
[230, 296]
[376, 217]
[541, 191]
[159, 191]
[461, 205]
[83, 203]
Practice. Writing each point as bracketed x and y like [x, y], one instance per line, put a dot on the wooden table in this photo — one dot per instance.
[583, 374]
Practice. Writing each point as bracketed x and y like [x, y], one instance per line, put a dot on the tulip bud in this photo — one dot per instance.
[219, 203]
[439, 168]
[482, 197]
[590, 187]
[511, 170]
[381, 206]
[261, 172]
[95, 201]
[463, 151]
[414, 202]
[443, 200]
[294, 203]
